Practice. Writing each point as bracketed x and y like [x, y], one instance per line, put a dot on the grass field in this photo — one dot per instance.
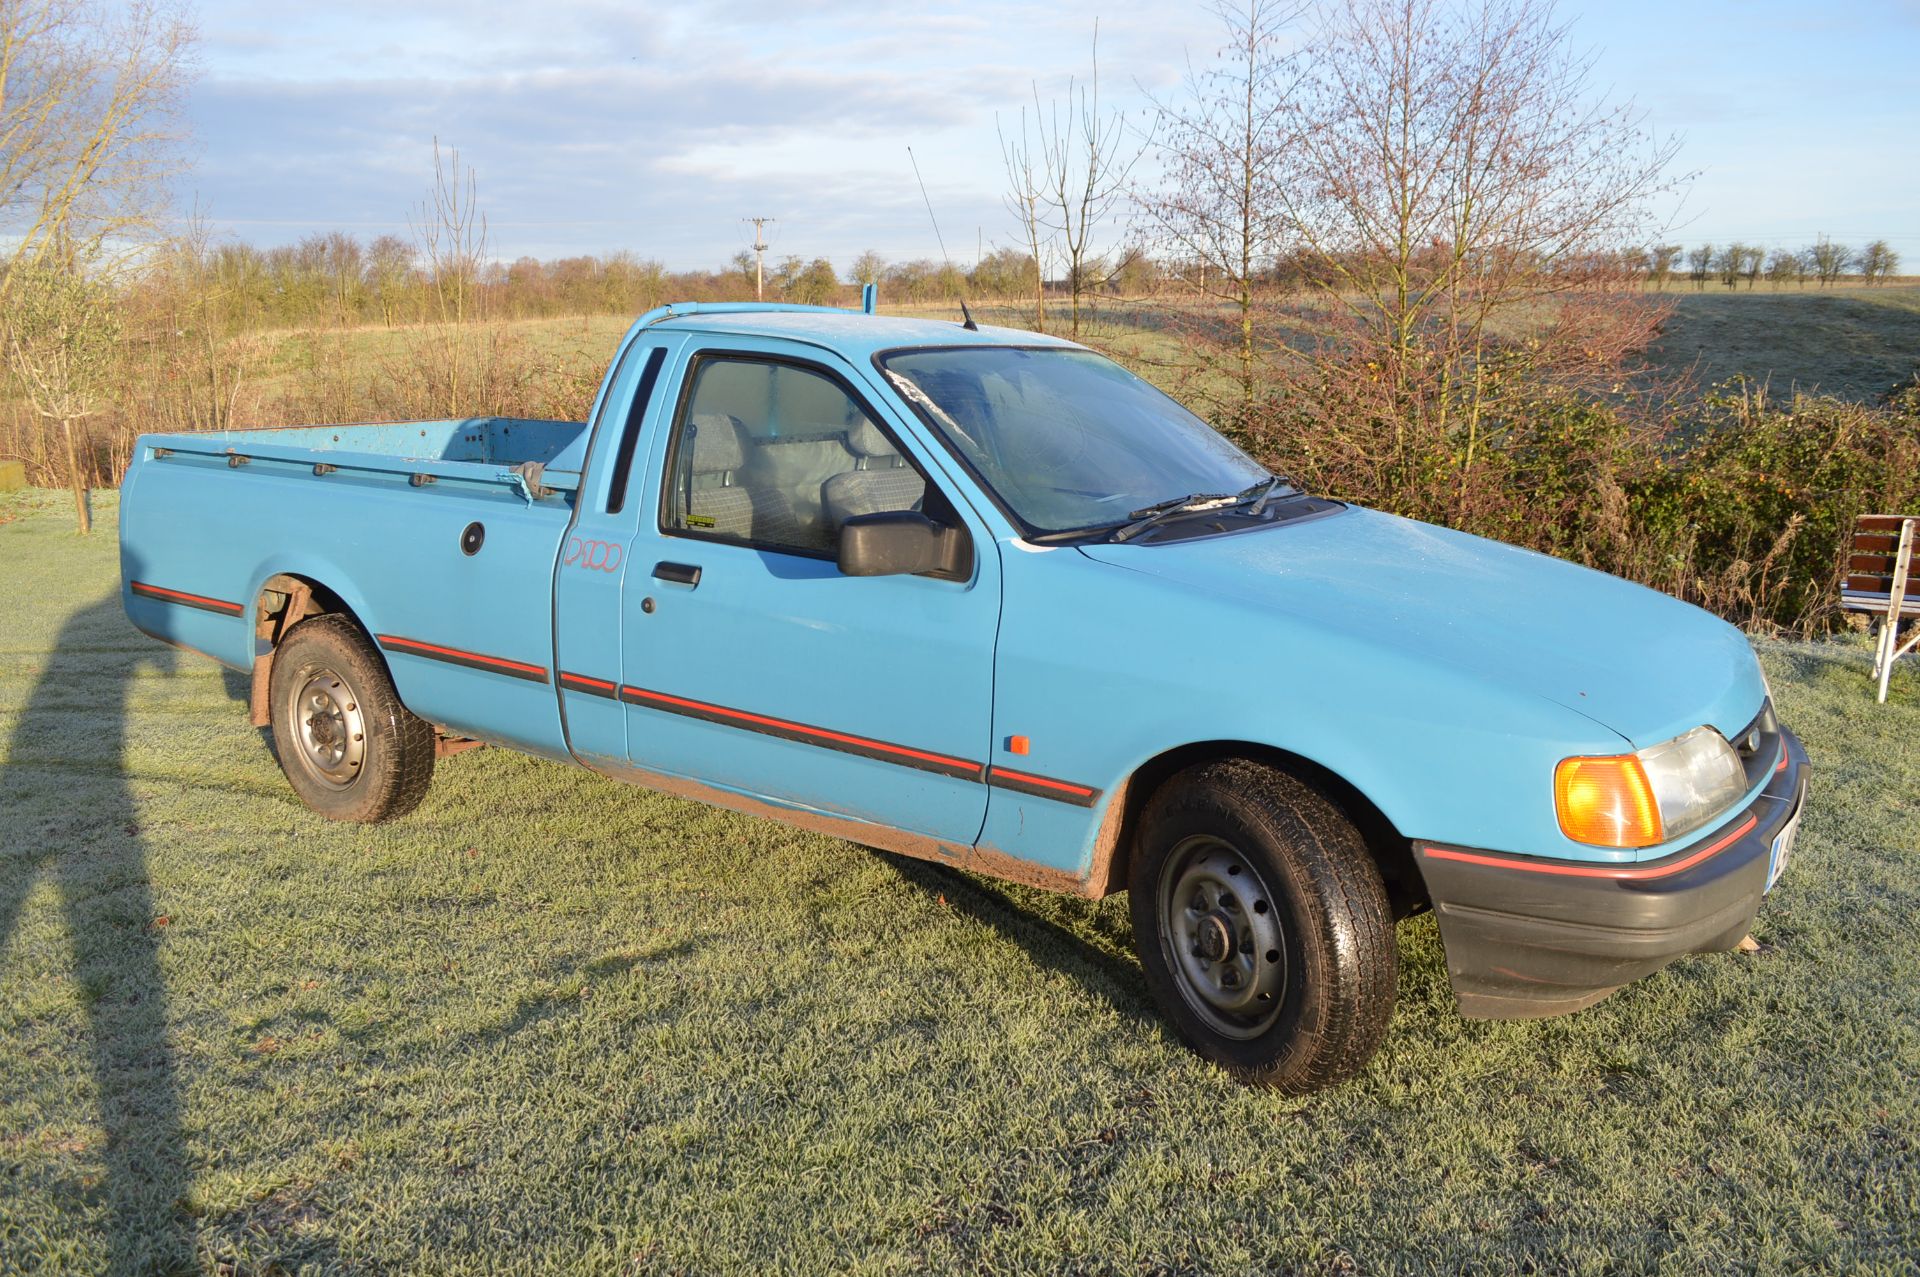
[1853, 343]
[549, 1024]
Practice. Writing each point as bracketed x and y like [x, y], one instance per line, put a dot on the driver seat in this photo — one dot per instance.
[880, 479]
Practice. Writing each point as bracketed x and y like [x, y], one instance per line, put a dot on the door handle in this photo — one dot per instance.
[683, 573]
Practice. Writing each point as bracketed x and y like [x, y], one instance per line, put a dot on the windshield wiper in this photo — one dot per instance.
[1147, 516]
[1262, 492]
[1255, 497]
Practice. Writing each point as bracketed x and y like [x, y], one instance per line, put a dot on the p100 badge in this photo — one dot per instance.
[602, 556]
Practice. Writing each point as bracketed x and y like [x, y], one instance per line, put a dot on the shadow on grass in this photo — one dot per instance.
[535, 1008]
[88, 843]
[239, 689]
[1116, 980]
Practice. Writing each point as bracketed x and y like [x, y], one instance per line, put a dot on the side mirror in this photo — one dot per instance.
[902, 543]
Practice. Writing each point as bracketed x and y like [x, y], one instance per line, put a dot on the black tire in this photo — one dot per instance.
[348, 747]
[1236, 852]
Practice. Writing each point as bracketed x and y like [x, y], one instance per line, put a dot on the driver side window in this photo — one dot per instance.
[778, 456]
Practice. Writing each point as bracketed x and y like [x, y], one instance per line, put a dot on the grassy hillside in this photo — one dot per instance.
[1852, 343]
[551, 1024]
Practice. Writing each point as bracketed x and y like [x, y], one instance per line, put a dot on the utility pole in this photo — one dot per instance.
[760, 247]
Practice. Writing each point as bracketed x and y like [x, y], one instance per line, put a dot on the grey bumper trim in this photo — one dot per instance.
[1531, 938]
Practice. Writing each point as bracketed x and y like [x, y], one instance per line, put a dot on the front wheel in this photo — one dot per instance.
[349, 748]
[1263, 926]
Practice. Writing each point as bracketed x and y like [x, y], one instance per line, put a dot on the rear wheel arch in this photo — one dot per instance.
[1391, 850]
[283, 601]
[315, 597]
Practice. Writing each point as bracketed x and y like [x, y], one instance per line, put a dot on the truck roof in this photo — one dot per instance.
[849, 332]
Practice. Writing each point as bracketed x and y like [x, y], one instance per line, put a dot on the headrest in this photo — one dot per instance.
[719, 443]
[865, 440]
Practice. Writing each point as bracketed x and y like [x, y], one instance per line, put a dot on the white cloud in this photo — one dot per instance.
[595, 125]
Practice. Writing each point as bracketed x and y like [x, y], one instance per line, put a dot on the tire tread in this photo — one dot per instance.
[398, 787]
[1345, 893]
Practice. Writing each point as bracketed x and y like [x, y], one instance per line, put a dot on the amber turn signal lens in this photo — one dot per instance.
[1606, 802]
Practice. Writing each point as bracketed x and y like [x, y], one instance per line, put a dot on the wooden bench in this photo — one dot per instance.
[1882, 580]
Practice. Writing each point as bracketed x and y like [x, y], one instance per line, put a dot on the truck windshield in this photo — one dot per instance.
[1067, 439]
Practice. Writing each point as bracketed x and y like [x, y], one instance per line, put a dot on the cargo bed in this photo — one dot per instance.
[540, 459]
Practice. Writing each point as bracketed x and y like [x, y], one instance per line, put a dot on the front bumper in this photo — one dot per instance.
[1528, 937]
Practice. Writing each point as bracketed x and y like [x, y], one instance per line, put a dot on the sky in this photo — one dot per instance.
[600, 125]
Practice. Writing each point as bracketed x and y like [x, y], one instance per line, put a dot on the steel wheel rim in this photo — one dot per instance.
[1222, 937]
[330, 729]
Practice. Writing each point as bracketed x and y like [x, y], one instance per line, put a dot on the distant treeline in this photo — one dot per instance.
[338, 279]
[1735, 264]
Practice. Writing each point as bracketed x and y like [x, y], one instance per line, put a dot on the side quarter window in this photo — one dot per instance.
[778, 456]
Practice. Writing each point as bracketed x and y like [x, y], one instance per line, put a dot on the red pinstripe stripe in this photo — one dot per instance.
[1626, 873]
[1048, 782]
[590, 682]
[804, 729]
[391, 640]
[141, 587]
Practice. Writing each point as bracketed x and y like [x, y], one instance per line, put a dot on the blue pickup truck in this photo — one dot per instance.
[984, 597]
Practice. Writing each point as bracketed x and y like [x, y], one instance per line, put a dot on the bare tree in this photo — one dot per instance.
[1664, 258]
[1086, 158]
[61, 329]
[1135, 273]
[1878, 262]
[389, 272]
[745, 267]
[810, 283]
[1026, 189]
[451, 231]
[90, 95]
[209, 288]
[452, 234]
[1785, 267]
[344, 262]
[868, 268]
[1700, 261]
[1750, 263]
[1452, 165]
[1830, 260]
[1731, 264]
[1638, 264]
[1222, 145]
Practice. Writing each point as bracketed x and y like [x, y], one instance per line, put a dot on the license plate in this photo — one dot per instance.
[1782, 848]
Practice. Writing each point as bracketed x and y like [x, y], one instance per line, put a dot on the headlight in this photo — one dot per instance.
[1649, 797]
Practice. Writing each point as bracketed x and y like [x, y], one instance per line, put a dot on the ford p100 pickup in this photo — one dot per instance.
[984, 597]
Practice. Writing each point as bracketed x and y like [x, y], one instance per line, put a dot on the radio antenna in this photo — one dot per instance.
[969, 325]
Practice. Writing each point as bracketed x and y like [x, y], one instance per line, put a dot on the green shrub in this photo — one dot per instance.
[1735, 503]
[1754, 504]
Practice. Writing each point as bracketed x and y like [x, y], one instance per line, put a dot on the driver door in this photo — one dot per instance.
[749, 661]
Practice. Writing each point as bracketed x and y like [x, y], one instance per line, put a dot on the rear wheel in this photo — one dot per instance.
[1263, 926]
[348, 747]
